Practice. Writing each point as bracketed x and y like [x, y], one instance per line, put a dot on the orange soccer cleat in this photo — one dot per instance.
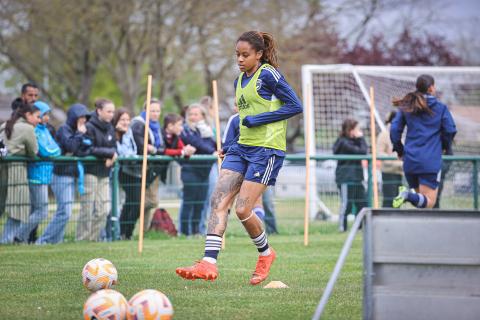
[263, 267]
[200, 270]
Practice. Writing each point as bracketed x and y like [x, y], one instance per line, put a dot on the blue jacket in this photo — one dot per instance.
[200, 169]
[41, 172]
[427, 136]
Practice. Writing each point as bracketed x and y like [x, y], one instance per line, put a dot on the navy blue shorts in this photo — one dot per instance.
[256, 164]
[428, 179]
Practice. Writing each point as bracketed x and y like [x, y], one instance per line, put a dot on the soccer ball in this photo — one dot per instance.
[106, 304]
[99, 274]
[150, 305]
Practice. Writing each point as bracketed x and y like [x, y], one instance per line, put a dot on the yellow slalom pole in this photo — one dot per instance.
[373, 139]
[144, 163]
[307, 167]
[217, 136]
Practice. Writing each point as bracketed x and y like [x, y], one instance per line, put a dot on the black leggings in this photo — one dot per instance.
[131, 209]
[390, 184]
[350, 193]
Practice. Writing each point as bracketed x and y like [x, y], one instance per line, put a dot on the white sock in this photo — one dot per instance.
[211, 260]
[265, 253]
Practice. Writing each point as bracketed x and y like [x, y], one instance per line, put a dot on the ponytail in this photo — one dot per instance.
[262, 41]
[20, 112]
[415, 102]
[270, 52]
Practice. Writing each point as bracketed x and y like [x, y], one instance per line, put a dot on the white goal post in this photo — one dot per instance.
[341, 91]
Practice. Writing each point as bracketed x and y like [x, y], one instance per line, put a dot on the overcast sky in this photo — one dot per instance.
[457, 20]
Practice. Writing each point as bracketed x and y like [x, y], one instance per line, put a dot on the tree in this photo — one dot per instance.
[56, 44]
[406, 50]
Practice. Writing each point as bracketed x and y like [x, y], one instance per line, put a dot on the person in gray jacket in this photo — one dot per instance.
[18, 133]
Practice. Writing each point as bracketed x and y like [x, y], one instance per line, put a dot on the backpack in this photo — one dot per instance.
[162, 221]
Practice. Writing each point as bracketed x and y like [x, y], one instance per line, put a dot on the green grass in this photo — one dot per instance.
[45, 282]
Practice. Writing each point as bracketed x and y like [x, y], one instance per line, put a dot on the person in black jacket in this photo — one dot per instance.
[195, 174]
[349, 173]
[72, 139]
[96, 200]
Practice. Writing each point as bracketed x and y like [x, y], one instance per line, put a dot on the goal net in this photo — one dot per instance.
[339, 92]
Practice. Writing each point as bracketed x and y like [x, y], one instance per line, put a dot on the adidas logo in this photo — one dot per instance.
[242, 103]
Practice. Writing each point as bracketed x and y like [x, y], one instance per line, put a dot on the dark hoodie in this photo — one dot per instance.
[71, 141]
[104, 145]
[349, 170]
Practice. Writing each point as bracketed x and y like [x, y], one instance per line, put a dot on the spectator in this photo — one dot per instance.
[39, 174]
[18, 133]
[73, 142]
[391, 169]
[195, 174]
[121, 123]
[156, 171]
[174, 146]
[349, 173]
[131, 184]
[125, 148]
[30, 94]
[96, 200]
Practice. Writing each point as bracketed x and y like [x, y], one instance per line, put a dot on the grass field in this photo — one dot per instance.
[45, 282]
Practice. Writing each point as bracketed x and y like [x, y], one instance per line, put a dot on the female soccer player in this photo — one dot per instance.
[431, 130]
[265, 101]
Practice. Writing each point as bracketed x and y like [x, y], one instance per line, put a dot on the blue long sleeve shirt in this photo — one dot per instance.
[232, 132]
[427, 136]
[272, 85]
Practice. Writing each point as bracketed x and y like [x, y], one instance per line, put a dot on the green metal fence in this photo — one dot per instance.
[460, 191]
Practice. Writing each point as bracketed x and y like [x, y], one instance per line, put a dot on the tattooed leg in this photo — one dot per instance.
[227, 187]
[249, 193]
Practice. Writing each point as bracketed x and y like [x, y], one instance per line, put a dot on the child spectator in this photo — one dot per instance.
[40, 174]
[18, 133]
[349, 173]
[96, 200]
[73, 142]
[174, 146]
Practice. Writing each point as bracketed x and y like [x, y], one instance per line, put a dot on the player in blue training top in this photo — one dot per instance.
[265, 101]
[431, 130]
